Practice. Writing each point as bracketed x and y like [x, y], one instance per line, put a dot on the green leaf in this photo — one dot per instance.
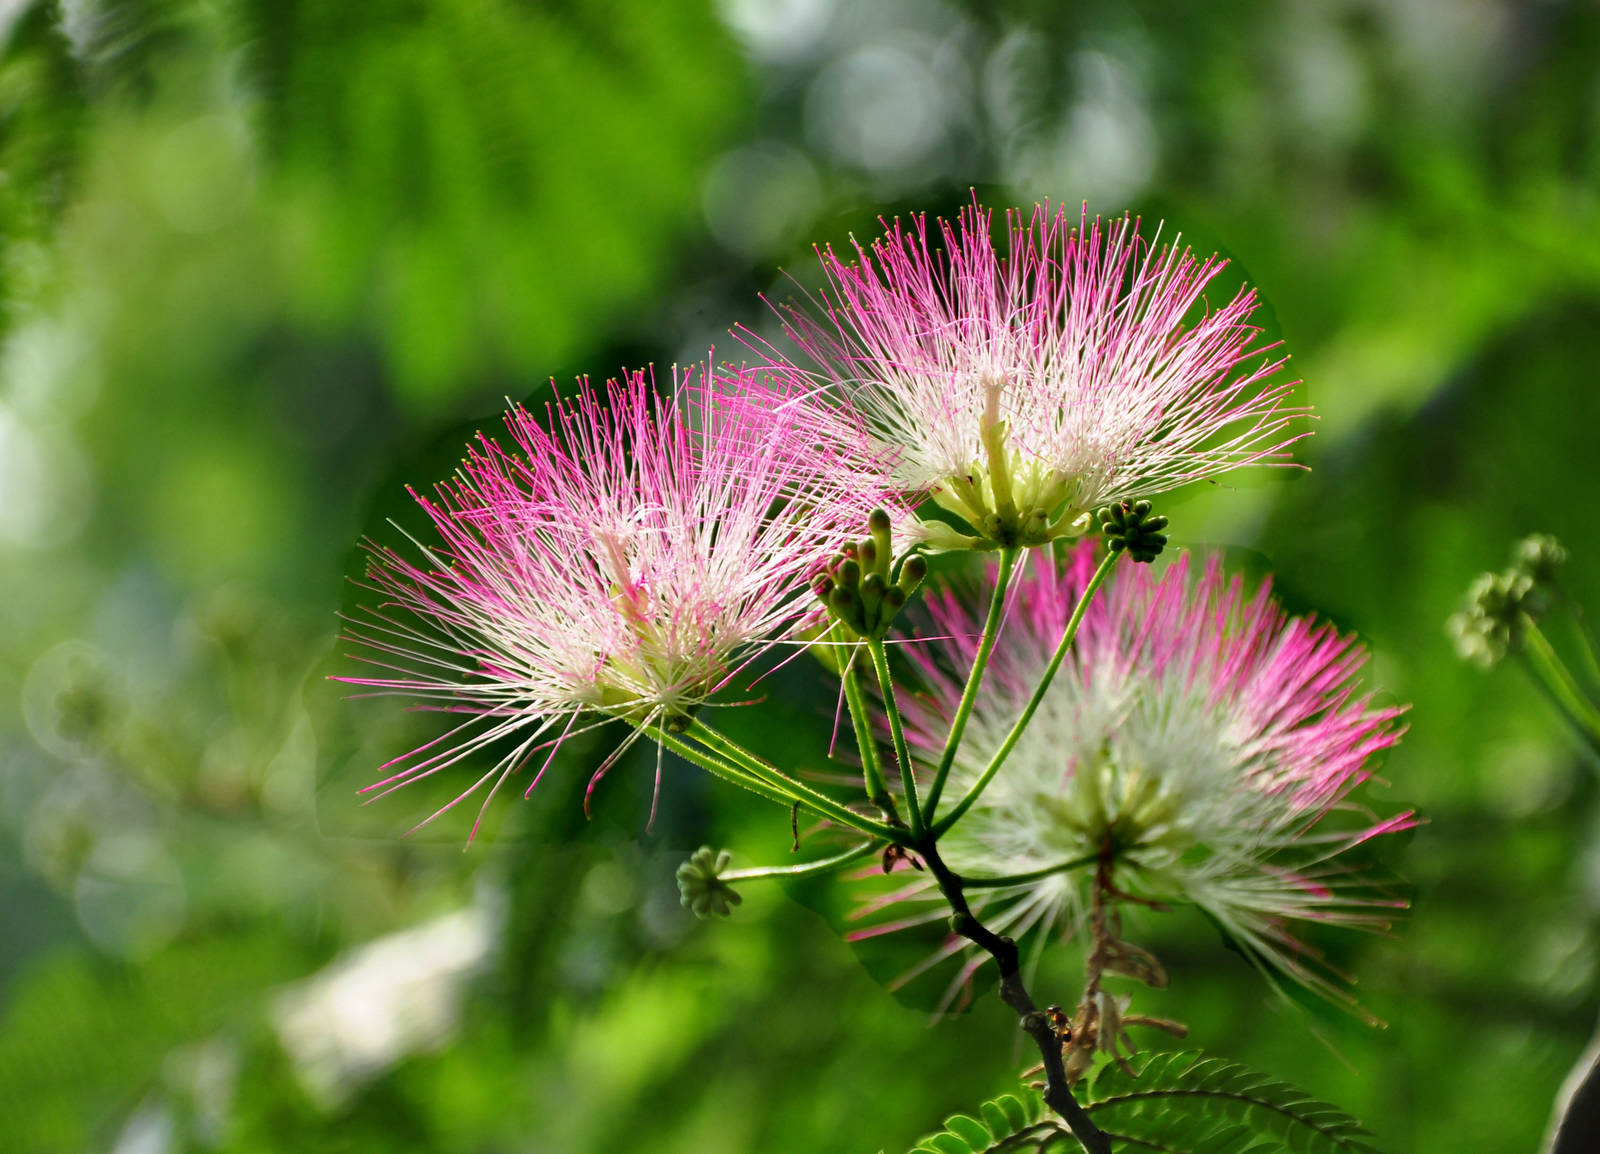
[1182, 1103]
[969, 1129]
[1009, 1123]
[1016, 1111]
[996, 1118]
[1186, 1103]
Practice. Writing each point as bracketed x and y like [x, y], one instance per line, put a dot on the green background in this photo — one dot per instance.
[265, 262]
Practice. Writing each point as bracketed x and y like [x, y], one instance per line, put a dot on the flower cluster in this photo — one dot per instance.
[630, 556]
[1022, 390]
[627, 561]
[1098, 736]
[1193, 749]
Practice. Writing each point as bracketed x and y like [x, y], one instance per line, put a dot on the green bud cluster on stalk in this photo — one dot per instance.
[1129, 525]
[866, 588]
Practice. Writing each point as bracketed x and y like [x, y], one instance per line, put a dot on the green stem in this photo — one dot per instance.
[1030, 876]
[721, 768]
[1585, 635]
[1590, 660]
[808, 869]
[1554, 673]
[908, 780]
[969, 695]
[1586, 740]
[1032, 707]
[871, 765]
[758, 767]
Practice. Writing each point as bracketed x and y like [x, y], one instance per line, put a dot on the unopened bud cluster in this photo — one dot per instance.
[1499, 604]
[701, 887]
[1541, 557]
[1129, 525]
[865, 589]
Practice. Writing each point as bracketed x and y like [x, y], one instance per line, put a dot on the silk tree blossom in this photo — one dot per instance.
[1196, 745]
[1022, 389]
[628, 558]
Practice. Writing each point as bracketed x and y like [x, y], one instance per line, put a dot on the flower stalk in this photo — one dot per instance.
[877, 787]
[1552, 672]
[1015, 735]
[897, 733]
[792, 789]
[980, 662]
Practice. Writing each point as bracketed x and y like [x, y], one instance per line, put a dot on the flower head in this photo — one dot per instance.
[627, 561]
[1023, 389]
[1191, 750]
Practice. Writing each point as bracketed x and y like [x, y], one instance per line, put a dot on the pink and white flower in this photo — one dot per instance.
[1199, 742]
[1023, 389]
[626, 562]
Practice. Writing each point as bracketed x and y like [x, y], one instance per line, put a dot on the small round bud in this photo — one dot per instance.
[701, 888]
[868, 552]
[1492, 623]
[878, 522]
[913, 572]
[1500, 597]
[849, 573]
[894, 599]
[872, 587]
[1541, 557]
[1129, 526]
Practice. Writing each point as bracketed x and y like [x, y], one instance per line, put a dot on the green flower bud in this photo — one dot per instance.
[1497, 604]
[1130, 526]
[700, 886]
[878, 526]
[857, 588]
[1540, 556]
[912, 573]
[872, 589]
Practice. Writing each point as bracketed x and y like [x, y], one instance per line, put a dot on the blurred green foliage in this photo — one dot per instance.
[267, 262]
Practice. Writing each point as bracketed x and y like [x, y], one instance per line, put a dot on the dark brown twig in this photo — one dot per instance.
[1057, 1093]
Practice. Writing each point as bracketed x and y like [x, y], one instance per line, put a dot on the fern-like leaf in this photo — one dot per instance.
[1006, 1124]
[1183, 1103]
[1187, 1103]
